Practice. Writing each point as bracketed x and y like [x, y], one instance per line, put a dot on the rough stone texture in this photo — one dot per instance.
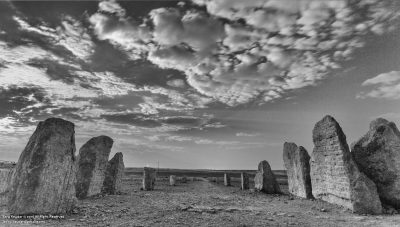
[114, 173]
[377, 155]
[44, 178]
[335, 176]
[244, 181]
[6, 176]
[227, 179]
[172, 180]
[149, 178]
[265, 180]
[297, 164]
[92, 164]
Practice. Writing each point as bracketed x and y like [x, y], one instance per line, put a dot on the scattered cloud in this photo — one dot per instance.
[385, 85]
[243, 134]
[71, 35]
[239, 51]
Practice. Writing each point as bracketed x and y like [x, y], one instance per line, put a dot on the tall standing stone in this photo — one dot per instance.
[114, 173]
[244, 177]
[44, 178]
[92, 164]
[265, 180]
[172, 180]
[149, 178]
[377, 154]
[6, 176]
[297, 164]
[335, 176]
[227, 179]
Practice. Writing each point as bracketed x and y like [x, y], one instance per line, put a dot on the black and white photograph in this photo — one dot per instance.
[203, 113]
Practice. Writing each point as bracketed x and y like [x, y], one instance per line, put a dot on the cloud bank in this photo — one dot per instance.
[236, 52]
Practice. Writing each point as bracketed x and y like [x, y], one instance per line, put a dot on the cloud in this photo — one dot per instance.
[237, 52]
[243, 134]
[120, 30]
[199, 31]
[70, 34]
[385, 85]
[136, 119]
[178, 83]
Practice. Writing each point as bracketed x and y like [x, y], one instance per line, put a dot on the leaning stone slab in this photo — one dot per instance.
[44, 178]
[114, 173]
[297, 164]
[244, 181]
[335, 176]
[265, 180]
[377, 155]
[149, 178]
[227, 179]
[92, 164]
[172, 180]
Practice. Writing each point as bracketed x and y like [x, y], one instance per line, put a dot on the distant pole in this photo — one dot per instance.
[158, 166]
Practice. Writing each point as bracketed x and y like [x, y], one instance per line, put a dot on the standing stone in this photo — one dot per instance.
[44, 178]
[335, 176]
[92, 164]
[265, 180]
[377, 155]
[172, 180]
[114, 173]
[184, 179]
[227, 179]
[6, 176]
[149, 178]
[297, 164]
[244, 181]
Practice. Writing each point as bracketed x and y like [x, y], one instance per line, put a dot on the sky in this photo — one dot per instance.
[216, 84]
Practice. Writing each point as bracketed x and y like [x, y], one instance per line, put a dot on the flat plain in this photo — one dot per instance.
[203, 201]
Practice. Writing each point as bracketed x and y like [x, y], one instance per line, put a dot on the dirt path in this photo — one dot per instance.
[202, 203]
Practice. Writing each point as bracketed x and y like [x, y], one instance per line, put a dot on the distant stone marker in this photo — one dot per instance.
[335, 177]
[265, 180]
[149, 178]
[377, 154]
[227, 179]
[184, 179]
[114, 173]
[297, 164]
[92, 164]
[244, 181]
[44, 176]
[172, 180]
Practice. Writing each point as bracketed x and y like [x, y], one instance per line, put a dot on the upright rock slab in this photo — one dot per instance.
[227, 179]
[172, 180]
[44, 178]
[244, 177]
[6, 176]
[297, 164]
[265, 180]
[335, 176]
[149, 178]
[377, 155]
[114, 173]
[92, 164]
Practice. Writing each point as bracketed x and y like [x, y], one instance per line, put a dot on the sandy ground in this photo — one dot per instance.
[203, 203]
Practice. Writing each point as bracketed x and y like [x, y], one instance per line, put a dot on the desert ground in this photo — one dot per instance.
[201, 202]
